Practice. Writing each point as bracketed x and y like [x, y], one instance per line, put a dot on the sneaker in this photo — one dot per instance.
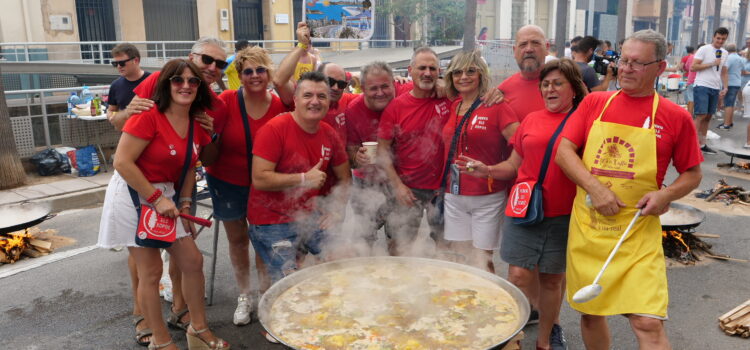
[533, 317]
[707, 150]
[724, 126]
[746, 146]
[243, 311]
[557, 339]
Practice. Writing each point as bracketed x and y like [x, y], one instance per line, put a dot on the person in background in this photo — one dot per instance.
[711, 83]
[538, 252]
[521, 90]
[551, 53]
[582, 54]
[233, 78]
[302, 59]
[568, 52]
[473, 206]
[482, 34]
[689, 76]
[735, 64]
[745, 80]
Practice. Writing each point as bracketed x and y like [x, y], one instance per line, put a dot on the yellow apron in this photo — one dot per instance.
[624, 159]
[302, 68]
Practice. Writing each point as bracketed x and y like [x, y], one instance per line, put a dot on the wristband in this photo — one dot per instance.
[302, 46]
[154, 196]
[185, 207]
[185, 199]
[302, 183]
[158, 200]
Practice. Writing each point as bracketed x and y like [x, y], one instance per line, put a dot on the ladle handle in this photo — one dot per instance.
[617, 246]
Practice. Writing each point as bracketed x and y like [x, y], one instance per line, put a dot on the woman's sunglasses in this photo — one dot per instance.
[179, 81]
[207, 60]
[250, 71]
[340, 83]
[121, 63]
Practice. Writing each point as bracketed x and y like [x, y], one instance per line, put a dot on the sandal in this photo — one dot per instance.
[175, 319]
[143, 333]
[153, 346]
[196, 343]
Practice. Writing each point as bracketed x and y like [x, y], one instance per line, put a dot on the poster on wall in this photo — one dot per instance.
[340, 20]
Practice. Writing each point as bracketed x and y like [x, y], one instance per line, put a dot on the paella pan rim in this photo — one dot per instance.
[699, 217]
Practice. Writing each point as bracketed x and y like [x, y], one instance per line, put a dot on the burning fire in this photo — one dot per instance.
[676, 235]
[743, 165]
[13, 244]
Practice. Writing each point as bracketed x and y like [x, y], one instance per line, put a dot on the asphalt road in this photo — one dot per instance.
[84, 301]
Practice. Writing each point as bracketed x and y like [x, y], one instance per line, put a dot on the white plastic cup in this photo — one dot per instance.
[371, 150]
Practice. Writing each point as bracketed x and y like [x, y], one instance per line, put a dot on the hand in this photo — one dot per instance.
[653, 203]
[610, 71]
[401, 80]
[441, 90]
[138, 105]
[206, 122]
[361, 157]
[166, 207]
[605, 201]
[723, 92]
[717, 62]
[303, 34]
[493, 96]
[188, 225]
[315, 178]
[472, 167]
[404, 195]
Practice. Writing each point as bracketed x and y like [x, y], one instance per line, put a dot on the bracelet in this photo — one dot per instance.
[303, 179]
[302, 46]
[185, 199]
[154, 196]
[158, 200]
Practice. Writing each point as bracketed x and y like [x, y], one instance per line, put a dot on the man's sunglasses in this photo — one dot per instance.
[250, 71]
[207, 60]
[340, 83]
[121, 63]
[179, 81]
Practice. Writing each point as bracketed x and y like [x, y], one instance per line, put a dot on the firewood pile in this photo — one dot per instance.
[726, 193]
[687, 247]
[742, 167]
[737, 321]
[31, 242]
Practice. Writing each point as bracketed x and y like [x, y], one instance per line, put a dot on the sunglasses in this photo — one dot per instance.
[179, 81]
[250, 71]
[470, 72]
[207, 60]
[121, 63]
[340, 83]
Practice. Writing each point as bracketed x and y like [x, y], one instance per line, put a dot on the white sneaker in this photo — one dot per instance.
[243, 311]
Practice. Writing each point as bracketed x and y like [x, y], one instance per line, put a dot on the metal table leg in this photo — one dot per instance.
[213, 264]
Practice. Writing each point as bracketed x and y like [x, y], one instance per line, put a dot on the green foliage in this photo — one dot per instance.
[445, 17]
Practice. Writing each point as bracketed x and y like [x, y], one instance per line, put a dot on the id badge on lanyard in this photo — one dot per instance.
[455, 184]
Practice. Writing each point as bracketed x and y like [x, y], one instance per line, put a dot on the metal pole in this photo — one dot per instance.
[44, 120]
[562, 26]
[26, 52]
[663, 17]
[622, 12]
[696, 23]
[717, 14]
[742, 24]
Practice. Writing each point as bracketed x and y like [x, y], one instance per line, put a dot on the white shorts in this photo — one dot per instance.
[119, 218]
[475, 218]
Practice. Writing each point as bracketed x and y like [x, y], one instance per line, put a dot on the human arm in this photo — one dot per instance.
[184, 205]
[286, 68]
[358, 156]
[335, 210]
[136, 105]
[657, 202]
[505, 170]
[724, 81]
[604, 85]
[265, 177]
[698, 64]
[385, 159]
[603, 199]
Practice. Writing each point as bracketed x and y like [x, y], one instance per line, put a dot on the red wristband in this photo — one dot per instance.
[154, 196]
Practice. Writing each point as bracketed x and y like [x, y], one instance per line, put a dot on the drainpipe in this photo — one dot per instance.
[25, 6]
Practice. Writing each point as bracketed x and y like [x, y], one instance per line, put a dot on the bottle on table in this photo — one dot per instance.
[96, 104]
[73, 101]
[86, 95]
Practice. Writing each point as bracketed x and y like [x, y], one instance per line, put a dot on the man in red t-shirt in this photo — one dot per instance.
[521, 90]
[628, 139]
[292, 153]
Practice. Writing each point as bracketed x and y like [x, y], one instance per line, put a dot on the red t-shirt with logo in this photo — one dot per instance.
[523, 95]
[283, 142]
[218, 109]
[530, 142]
[163, 158]
[415, 126]
[231, 166]
[361, 126]
[336, 118]
[676, 139]
[481, 138]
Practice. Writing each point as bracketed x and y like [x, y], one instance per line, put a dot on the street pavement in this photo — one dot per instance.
[83, 301]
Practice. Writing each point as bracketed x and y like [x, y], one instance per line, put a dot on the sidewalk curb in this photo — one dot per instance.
[74, 200]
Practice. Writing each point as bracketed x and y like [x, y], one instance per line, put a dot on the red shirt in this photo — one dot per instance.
[415, 126]
[163, 158]
[335, 116]
[684, 65]
[218, 109]
[690, 74]
[530, 142]
[482, 140]
[293, 150]
[361, 126]
[676, 138]
[231, 166]
[523, 95]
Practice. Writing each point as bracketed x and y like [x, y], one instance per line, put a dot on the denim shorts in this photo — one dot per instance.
[706, 100]
[731, 96]
[543, 245]
[689, 93]
[229, 201]
[278, 244]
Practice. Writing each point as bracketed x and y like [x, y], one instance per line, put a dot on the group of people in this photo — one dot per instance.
[285, 156]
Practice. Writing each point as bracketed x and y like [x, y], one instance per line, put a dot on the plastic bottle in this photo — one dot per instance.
[96, 104]
[73, 100]
[86, 95]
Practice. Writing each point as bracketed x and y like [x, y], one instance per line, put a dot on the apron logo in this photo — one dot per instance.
[615, 158]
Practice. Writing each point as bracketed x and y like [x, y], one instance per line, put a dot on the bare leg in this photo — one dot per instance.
[690, 107]
[239, 248]
[549, 305]
[650, 333]
[701, 125]
[136, 306]
[178, 300]
[595, 332]
[148, 262]
[527, 281]
[263, 279]
[728, 115]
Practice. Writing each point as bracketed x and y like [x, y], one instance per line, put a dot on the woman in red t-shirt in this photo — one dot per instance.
[149, 162]
[538, 252]
[228, 177]
[473, 206]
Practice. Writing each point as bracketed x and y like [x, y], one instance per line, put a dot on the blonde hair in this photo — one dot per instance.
[463, 61]
[255, 55]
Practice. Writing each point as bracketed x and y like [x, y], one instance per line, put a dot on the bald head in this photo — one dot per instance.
[334, 71]
[530, 29]
[530, 50]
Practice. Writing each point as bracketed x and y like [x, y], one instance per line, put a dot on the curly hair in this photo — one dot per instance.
[257, 56]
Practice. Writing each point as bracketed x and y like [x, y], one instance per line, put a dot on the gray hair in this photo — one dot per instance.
[372, 67]
[206, 40]
[423, 49]
[731, 47]
[652, 37]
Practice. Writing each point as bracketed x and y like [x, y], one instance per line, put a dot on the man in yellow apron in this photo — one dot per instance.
[628, 139]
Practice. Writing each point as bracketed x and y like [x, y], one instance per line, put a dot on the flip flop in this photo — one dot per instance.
[174, 319]
[143, 333]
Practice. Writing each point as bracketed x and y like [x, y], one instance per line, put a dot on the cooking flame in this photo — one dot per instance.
[676, 235]
[13, 244]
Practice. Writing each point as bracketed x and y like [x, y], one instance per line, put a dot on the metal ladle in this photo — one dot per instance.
[593, 290]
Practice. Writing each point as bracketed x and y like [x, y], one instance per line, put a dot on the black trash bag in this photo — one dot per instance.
[50, 162]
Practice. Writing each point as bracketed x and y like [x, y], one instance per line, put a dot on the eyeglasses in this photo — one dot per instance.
[340, 83]
[470, 72]
[207, 60]
[556, 84]
[179, 81]
[121, 63]
[635, 66]
[259, 71]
